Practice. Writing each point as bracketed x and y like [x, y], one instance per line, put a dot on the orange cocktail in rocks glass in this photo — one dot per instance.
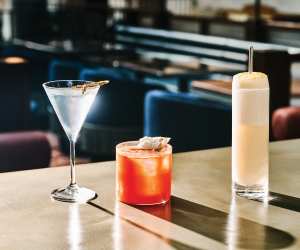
[144, 170]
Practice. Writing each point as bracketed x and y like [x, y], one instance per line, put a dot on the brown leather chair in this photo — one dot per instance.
[24, 150]
[286, 123]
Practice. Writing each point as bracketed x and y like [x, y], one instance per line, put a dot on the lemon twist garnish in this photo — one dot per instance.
[86, 86]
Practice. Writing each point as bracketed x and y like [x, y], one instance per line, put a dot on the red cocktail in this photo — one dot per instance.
[143, 175]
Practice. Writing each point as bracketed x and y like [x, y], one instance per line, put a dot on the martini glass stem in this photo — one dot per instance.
[72, 163]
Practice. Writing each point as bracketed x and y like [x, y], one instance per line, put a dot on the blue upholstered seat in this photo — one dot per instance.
[64, 70]
[118, 110]
[107, 73]
[119, 103]
[191, 121]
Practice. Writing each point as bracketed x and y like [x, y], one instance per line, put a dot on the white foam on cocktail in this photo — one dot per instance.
[71, 107]
[153, 142]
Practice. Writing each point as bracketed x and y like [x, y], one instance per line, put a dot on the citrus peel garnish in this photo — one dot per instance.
[86, 86]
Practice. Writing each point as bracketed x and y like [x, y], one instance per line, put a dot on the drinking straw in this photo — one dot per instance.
[250, 60]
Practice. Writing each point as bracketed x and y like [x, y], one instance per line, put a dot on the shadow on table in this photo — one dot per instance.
[174, 243]
[229, 229]
[284, 201]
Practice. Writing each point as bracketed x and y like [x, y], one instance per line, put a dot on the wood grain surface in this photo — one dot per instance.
[201, 215]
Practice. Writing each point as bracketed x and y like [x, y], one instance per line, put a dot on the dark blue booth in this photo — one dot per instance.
[193, 122]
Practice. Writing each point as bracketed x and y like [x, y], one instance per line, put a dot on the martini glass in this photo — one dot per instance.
[71, 101]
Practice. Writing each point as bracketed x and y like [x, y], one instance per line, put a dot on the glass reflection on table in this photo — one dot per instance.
[74, 228]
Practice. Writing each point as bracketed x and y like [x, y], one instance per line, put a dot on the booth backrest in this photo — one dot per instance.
[274, 60]
[209, 50]
[192, 122]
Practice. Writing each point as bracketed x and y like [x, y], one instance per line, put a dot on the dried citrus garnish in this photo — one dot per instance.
[86, 86]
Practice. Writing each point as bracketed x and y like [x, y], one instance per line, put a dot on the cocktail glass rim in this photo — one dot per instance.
[140, 155]
[45, 84]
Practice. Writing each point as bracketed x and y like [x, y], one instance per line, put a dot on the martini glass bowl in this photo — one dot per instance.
[71, 101]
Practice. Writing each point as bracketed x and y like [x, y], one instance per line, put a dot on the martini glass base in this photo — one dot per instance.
[73, 193]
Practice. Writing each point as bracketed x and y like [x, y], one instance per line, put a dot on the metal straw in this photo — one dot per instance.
[250, 60]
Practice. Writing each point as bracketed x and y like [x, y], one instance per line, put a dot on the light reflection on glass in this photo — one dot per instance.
[127, 231]
[74, 229]
[231, 228]
[117, 230]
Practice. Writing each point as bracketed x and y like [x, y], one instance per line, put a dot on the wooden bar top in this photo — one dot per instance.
[201, 215]
[215, 86]
[224, 87]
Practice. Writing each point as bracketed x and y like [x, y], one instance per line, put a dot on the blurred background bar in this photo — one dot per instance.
[170, 63]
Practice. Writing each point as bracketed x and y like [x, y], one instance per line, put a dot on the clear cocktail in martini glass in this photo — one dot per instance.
[71, 101]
